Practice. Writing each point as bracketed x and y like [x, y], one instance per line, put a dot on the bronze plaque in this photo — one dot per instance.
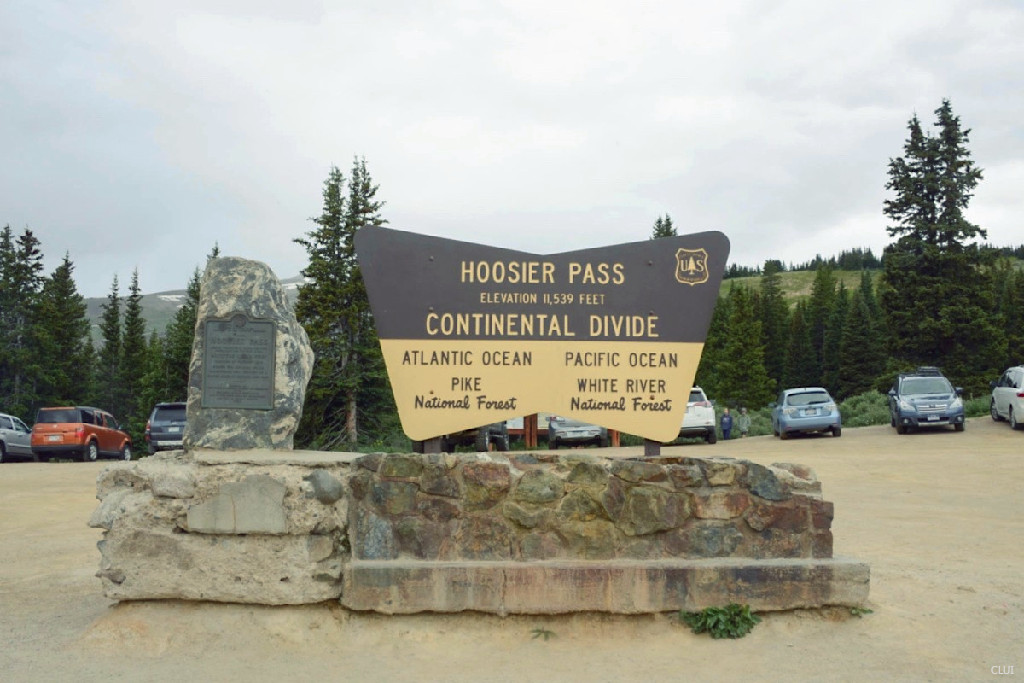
[473, 334]
[238, 363]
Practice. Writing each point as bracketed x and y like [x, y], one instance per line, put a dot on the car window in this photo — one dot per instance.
[5, 423]
[58, 416]
[170, 414]
[926, 385]
[697, 396]
[21, 426]
[808, 398]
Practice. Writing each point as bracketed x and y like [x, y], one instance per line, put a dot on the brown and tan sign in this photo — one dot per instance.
[473, 334]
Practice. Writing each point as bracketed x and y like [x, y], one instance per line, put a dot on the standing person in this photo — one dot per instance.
[743, 422]
[726, 424]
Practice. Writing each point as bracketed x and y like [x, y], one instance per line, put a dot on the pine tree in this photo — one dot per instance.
[819, 309]
[1009, 291]
[743, 380]
[833, 338]
[66, 324]
[707, 376]
[22, 367]
[349, 381]
[861, 356]
[133, 361]
[152, 385]
[178, 340]
[774, 315]
[108, 390]
[801, 366]
[663, 228]
[936, 296]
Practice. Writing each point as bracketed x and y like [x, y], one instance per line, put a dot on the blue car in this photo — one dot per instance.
[807, 409]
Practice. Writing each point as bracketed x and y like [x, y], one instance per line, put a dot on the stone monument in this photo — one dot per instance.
[251, 361]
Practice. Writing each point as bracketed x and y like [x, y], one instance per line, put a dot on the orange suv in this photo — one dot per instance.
[79, 431]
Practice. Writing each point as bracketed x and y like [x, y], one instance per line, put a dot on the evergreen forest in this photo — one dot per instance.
[937, 295]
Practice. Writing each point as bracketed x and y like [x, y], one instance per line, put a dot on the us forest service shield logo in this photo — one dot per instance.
[692, 266]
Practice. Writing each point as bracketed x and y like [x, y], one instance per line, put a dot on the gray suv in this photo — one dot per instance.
[925, 398]
[166, 427]
[15, 439]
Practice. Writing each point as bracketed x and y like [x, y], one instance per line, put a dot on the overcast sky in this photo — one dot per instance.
[137, 135]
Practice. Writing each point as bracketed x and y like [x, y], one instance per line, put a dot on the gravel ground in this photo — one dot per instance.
[938, 516]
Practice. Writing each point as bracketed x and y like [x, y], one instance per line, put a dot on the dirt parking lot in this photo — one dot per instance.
[938, 516]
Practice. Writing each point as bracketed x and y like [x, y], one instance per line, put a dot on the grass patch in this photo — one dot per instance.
[731, 621]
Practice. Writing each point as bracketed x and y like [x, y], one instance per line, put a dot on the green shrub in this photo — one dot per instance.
[862, 410]
[976, 407]
[731, 621]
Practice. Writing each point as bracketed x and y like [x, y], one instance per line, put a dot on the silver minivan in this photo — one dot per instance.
[15, 439]
[1008, 397]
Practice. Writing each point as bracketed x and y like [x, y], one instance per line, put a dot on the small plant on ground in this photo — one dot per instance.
[542, 633]
[860, 611]
[731, 621]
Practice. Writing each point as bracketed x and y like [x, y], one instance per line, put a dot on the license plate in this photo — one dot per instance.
[809, 411]
[54, 437]
[174, 430]
[932, 418]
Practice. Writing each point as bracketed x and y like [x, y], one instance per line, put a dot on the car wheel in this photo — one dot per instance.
[3, 452]
[91, 452]
[959, 426]
[126, 452]
[553, 444]
[901, 429]
[1013, 420]
[711, 436]
[482, 441]
[783, 435]
[502, 443]
[604, 441]
[995, 412]
[837, 431]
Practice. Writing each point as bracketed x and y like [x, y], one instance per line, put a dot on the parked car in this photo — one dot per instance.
[805, 409]
[925, 398]
[563, 431]
[166, 426]
[81, 432]
[15, 439]
[1008, 397]
[487, 437]
[699, 419]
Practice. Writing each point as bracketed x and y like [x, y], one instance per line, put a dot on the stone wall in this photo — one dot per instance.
[544, 507]
[529, 533]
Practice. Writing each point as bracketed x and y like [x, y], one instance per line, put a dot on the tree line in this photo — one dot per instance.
[47, 353]
[935, 297]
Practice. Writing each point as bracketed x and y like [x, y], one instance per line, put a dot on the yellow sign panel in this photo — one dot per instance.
[474, 334]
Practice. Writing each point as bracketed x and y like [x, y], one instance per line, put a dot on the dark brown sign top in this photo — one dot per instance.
[238, 363]
[424, 287]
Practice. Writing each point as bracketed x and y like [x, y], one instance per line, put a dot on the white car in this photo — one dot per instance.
[1008, 397]
[15, 439]
[699, 419]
